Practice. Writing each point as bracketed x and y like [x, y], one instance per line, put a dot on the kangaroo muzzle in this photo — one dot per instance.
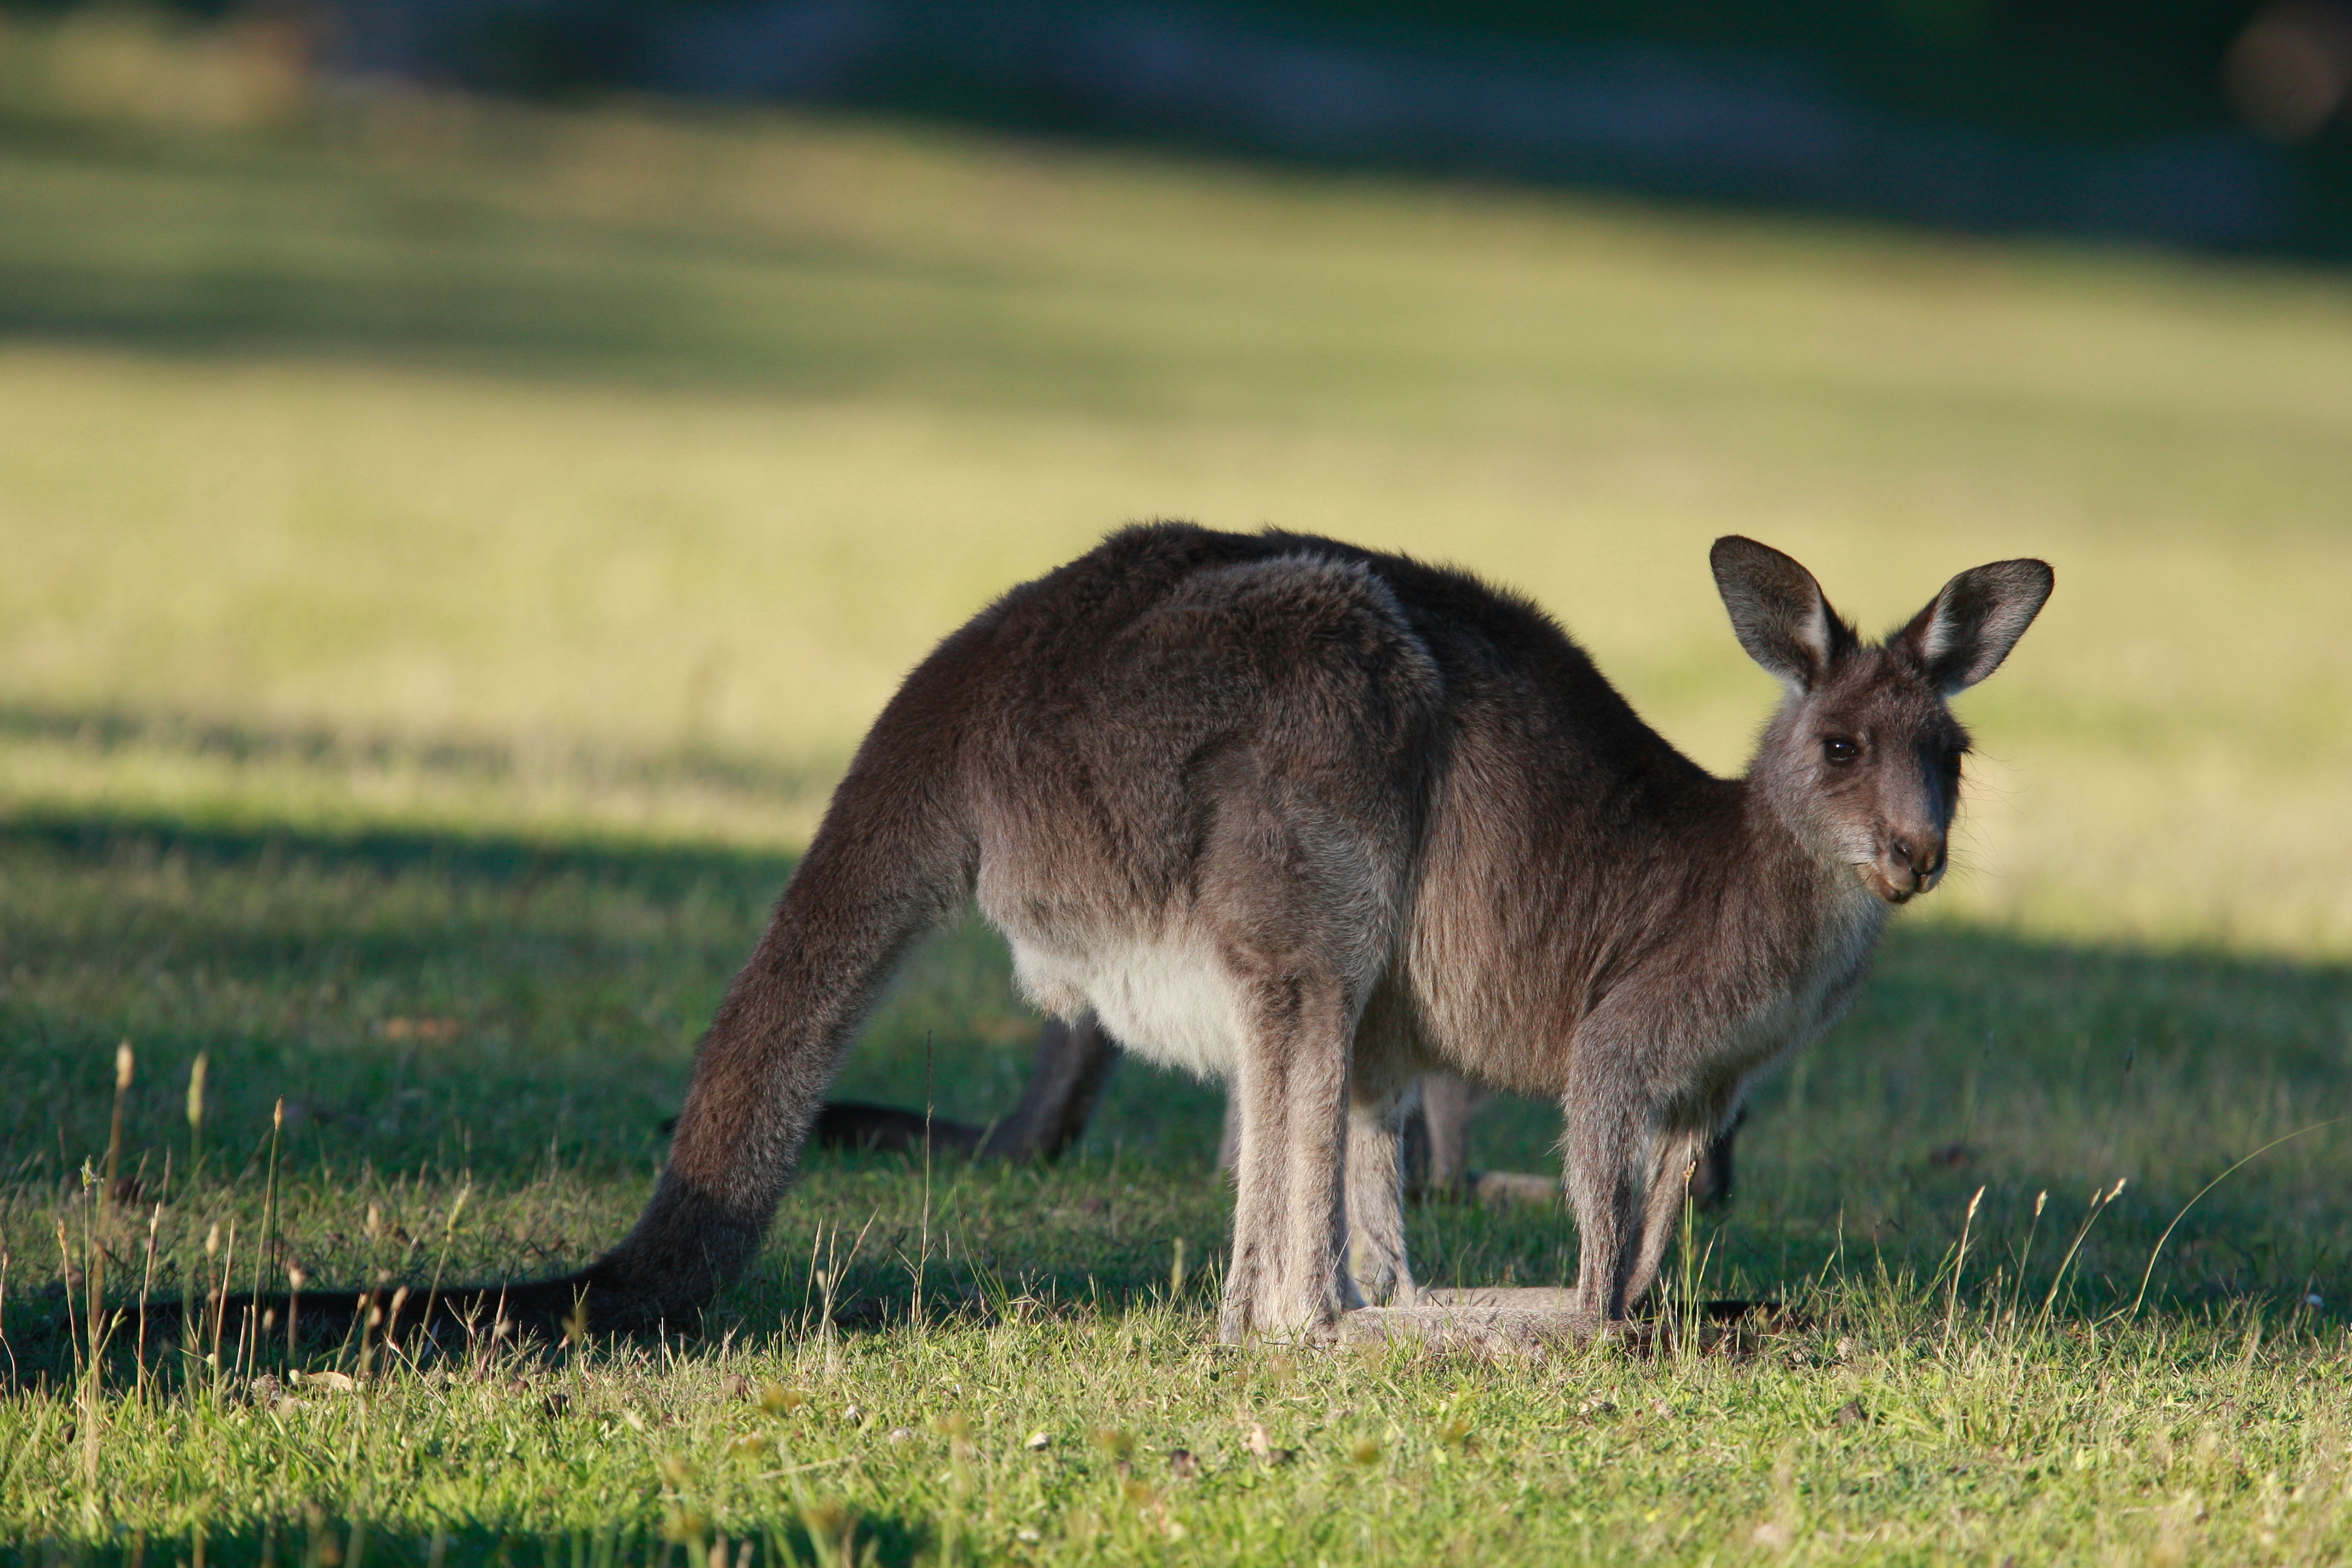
[1908, 864]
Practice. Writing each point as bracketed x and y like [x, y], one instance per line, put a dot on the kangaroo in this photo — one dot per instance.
[1321, 819]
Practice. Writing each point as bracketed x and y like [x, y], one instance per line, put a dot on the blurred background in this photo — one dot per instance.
[564, 423]
[588, 409]
[2197, 122]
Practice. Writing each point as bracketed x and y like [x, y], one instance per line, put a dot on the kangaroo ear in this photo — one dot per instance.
[1969, 628]
[1777, 611]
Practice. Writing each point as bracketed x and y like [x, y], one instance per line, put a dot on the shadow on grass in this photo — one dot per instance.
[512, 863]
[112, 731]
[323, 250]
[513, 1018]
[887, 1541]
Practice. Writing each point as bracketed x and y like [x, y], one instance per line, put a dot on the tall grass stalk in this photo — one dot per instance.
[73, 1333]
[2099, 1201]
[449, 1235]
[251, 1332]
[123, 1068]
[97, 1216]
[220, 1292]
[923, 1247]
[1685, 1295]
[829, 1284]
[808, 1280]
[2017, 1293]
[1959, 1262]
[146, 1289]
[294, 1280]
[196, 1117]
[2156, 1251]
[11, 1348]
[193, 1313]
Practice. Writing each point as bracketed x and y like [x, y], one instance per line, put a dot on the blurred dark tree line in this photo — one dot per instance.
[2090, 68]
[2206, 123]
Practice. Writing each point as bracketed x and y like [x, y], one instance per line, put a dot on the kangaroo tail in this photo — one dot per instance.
[895, 857]
[892, 860]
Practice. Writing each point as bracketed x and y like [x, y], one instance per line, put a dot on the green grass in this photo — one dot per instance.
[572, 977]
[449, 549]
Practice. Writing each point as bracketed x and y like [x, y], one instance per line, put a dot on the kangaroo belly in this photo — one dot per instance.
[1165, 999]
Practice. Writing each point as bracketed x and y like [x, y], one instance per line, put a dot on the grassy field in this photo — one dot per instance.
[446, 552]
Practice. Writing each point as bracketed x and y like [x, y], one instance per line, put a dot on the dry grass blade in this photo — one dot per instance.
[2154, 1252]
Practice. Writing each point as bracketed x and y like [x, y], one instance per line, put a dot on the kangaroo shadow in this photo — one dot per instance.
[787, 1541]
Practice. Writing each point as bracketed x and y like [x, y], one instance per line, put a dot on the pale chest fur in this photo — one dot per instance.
[1808, 1001]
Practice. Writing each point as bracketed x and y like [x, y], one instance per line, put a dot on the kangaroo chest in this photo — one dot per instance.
[1815, 996]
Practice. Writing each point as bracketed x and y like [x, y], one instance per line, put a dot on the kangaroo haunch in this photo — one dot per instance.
[1319, 819]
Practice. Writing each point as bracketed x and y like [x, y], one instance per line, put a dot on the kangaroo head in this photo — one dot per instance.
[1863, 760]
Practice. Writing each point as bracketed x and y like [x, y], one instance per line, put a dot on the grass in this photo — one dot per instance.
[450, 549]
[474, 1041]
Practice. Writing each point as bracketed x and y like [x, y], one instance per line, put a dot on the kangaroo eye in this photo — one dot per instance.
[1837, 748]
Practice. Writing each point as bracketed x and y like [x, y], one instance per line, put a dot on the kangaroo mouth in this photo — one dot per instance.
[1889, 890]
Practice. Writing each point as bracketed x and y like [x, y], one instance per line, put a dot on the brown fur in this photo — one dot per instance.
[1322, 820]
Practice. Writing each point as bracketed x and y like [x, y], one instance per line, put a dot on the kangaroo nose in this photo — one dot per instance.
[1922, 857]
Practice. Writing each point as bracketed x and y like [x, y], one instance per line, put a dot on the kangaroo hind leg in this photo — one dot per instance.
[1380, 1089]
[1288, 1276]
